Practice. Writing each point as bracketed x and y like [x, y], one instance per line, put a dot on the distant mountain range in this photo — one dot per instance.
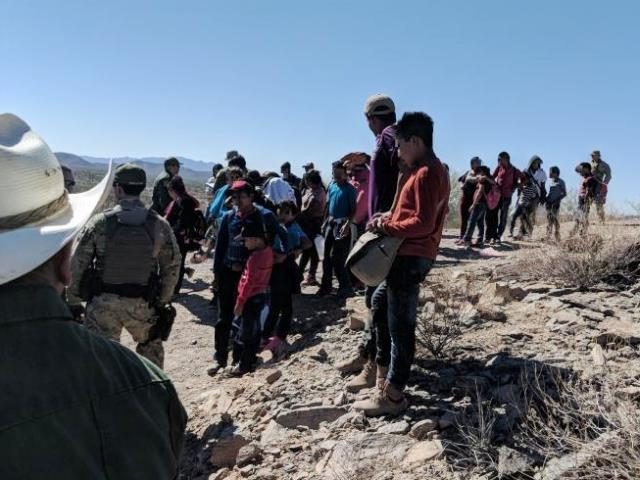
[190, 169]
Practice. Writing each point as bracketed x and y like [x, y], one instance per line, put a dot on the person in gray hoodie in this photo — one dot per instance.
[556, 192]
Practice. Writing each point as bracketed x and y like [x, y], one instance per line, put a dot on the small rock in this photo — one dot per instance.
[220, 474]
[422, 429]
[319, 354]
[272, 376]
[619, 332]
[248, 454]
[395, 428]
[310, 417]
[355, 322]
[511, 462]
[341, 399]
[423, 452]
[194, 342]
[597, 355]
[225, 451]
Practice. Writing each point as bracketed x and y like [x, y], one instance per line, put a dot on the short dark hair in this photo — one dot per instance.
[416, 124]
[177, 184]
[288, 206]
[338, 164]
[313, 177]
[586, 165]
[238, 161]
[504, 155]
[133, 190]
[285, 166]
[485, 170]
[475, 159]
[555, 170]
[386, 118]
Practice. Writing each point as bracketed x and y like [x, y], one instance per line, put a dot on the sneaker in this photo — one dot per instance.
[366, 378]
[238, 371]
[351, 365]
[389, 401]
[492, 242]
[478, 244]
[459, 241]
[217, 367]
[310, 282]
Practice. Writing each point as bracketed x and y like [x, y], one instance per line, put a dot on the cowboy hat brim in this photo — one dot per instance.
[24, 249]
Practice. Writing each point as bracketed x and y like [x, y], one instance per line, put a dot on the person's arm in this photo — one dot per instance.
[222, 242]
[155, 198]
[563, 189]
[607, 173]
[429, 199]
[168, 255]
[83, 256]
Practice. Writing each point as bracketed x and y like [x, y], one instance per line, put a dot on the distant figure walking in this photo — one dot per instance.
[602, 173]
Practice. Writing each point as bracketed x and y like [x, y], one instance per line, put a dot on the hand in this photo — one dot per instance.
[345, 230]
[237, 311]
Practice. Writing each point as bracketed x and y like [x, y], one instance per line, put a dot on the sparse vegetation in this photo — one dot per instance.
[439, 321]
[583, 262]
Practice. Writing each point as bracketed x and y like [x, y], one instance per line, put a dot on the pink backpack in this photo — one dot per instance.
[493, 197]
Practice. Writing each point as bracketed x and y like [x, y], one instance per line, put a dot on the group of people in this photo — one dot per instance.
[486, 198]
[79, 279]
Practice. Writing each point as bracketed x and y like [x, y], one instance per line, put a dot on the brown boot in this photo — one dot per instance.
[366, 379]
[352, 365]
[390, 401]
[381, 377]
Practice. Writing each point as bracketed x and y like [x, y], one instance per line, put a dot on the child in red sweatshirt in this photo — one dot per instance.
[252, 297]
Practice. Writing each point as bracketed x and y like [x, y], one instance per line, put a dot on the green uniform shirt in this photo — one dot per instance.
[77, 406]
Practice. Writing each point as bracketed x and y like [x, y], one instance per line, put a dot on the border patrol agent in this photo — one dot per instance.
[126, 266]
[72, 404]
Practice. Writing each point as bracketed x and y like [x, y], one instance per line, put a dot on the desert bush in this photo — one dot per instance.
[582, 262]
[439, 319]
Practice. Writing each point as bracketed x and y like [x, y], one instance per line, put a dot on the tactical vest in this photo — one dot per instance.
[129, 252]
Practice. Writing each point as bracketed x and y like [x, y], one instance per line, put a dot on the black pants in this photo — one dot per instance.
[281, 310]
[523, 212]
[497, 219]
[227, 294]
[465, 205]
[553, 224]
[335, 257]
[310, 255]
[246, 333]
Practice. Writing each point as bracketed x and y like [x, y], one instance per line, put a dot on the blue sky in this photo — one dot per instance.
[286, 80]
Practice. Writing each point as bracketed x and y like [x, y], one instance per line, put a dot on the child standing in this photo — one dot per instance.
[527, 202]
[478, 208]
[586, 194]
[285, 281]
[557, 191]
[252, 295]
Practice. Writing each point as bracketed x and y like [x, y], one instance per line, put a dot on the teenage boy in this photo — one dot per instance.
[285, 281]
[252, 298]
[229, 261]
[340, 211]
[557, 191]
[418, 217]
[468, 183]
[587, 191]
[527, 204]
[506, 177]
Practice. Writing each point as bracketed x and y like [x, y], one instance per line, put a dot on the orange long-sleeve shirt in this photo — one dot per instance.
[421, 210]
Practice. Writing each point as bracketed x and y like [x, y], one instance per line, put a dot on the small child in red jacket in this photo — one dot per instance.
[252, 300]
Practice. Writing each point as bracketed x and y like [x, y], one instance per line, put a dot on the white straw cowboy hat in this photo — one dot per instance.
[37, 215]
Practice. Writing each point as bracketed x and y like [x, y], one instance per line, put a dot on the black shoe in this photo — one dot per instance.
[217, 367]
[323, 292]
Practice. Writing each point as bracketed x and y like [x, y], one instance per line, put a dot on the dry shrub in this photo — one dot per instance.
[439, 320]
[583, 430]
[583, 262]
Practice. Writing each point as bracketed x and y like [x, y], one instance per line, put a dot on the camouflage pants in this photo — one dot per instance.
[107, 314]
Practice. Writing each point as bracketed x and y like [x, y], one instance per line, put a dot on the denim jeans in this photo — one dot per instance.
[477, 219]
[403, 288]
[246, 333]
[376, 343]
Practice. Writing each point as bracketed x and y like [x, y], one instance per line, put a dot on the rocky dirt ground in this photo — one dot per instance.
[291, 419]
